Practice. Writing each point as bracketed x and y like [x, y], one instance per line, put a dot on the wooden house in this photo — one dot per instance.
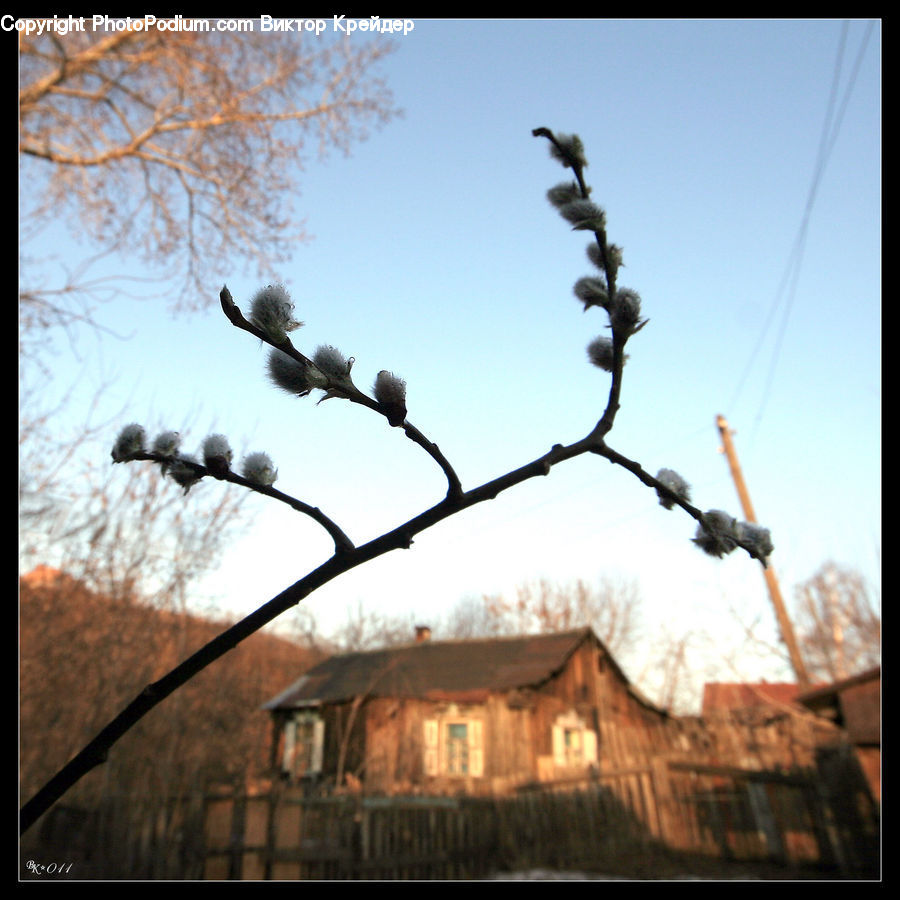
[447, 717]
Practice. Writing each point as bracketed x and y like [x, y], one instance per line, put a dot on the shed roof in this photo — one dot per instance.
[853, 703]
[436, 670]
[825, 692]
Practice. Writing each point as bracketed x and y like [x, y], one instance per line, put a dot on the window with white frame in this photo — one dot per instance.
[454, 746]
[304, 738]
[574, 744]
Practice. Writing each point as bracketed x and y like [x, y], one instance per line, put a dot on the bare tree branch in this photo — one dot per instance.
[838, 623]
[209, 126]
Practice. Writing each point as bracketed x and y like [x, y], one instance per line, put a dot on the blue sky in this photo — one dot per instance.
[437, 255]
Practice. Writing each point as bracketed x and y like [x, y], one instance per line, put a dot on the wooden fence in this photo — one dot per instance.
[148, 838]
[643, 821]
[637, 821]
[284, 837]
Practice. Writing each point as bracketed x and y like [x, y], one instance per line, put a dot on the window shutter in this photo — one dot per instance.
[590, 747]
[290, 735]
[430, 757]
[476, 748]
[318, 746]
[559, 746]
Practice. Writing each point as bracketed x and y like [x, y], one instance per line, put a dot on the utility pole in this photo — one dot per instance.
[784, 622]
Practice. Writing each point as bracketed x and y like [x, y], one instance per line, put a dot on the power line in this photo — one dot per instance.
[799, 240]
[830, 131]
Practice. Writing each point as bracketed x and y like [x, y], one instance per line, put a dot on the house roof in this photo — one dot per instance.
[436, 670]
[853, 703]
[826, 692]
[739, 695]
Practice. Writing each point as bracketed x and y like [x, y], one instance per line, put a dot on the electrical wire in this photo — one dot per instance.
[790, 278]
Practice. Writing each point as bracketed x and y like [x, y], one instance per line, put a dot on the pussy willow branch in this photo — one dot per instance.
[349, 558]
[578, 172]
[604, 426]
[346, 555]
[401, 537]
[341, 541]
[236, 317]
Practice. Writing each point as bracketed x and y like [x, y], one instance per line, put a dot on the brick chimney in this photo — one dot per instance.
[423, 633]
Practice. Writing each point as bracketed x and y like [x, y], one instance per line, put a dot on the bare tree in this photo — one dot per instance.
[329, 371]
[475, 617]
[106, 647]
[838, 623]
[670, 666]
[116, 531]
[611, 608]
[368, 629]
[838, 626]
[179, 147]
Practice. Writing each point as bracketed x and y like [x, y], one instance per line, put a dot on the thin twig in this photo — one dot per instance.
[351, 393]
[342, 543]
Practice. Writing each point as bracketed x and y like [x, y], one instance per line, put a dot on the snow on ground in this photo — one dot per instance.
[552, 875]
